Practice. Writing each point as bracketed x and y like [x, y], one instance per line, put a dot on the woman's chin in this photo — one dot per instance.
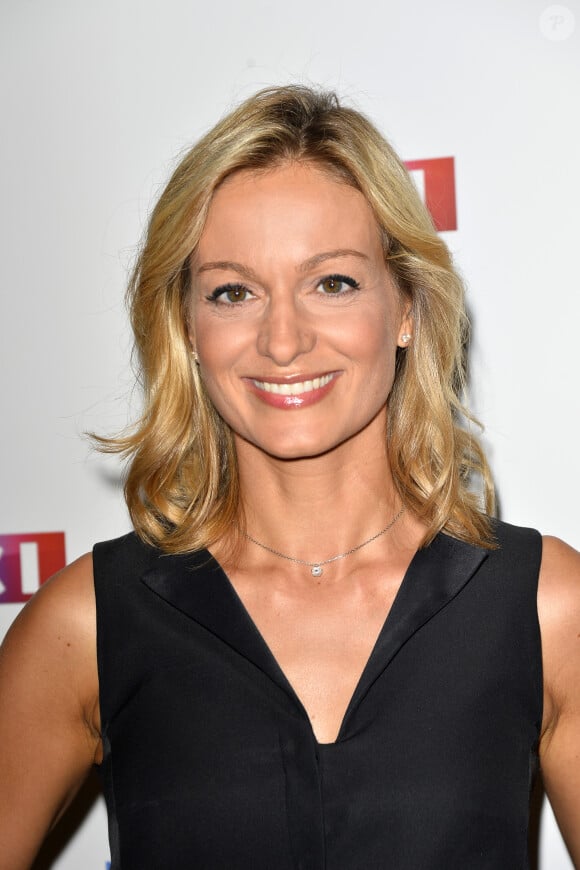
[293, 446]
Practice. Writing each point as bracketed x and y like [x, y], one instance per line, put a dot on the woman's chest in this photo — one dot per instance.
[322, 640]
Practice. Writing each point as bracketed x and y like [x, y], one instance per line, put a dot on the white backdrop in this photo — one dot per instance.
[99, 98]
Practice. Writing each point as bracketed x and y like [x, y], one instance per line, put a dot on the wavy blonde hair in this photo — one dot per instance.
[182, 483]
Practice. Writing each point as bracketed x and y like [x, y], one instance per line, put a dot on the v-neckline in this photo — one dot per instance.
[197, 585]
[282, 673]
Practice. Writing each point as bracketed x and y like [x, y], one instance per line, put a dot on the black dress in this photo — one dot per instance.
[210, 760]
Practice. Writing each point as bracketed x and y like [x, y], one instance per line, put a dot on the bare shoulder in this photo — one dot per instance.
[51, 646]
[72, 583]
[559, 614]
[60, 616]
[53, 643]
[560, 562]
[559, 593]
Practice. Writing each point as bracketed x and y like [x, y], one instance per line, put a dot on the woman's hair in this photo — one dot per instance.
[182, 483]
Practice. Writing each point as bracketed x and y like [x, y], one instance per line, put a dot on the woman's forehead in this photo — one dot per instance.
[293, 203]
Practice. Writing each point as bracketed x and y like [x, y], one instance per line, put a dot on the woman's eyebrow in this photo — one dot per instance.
[228, 265]
[317, 259]
[310, 263]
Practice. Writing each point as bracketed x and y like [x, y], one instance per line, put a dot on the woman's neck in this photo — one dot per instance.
[316, 507]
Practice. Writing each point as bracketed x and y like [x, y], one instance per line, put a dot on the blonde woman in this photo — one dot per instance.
[317, 650]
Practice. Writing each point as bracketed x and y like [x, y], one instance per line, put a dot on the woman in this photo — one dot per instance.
[318, 650]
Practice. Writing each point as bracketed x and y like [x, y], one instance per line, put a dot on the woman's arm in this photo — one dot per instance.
[48, 711]
[559, 612]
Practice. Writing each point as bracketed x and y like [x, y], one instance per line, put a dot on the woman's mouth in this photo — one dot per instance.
[293, 394]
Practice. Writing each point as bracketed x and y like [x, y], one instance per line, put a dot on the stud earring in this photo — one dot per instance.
[195, 356]
[405, 338]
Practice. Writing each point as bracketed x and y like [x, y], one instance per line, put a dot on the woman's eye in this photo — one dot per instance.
[335, 285]
[229, 294]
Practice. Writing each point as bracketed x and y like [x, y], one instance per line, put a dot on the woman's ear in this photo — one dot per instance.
[406, 327]
[191, 339]
[189, 330]
[193, 348]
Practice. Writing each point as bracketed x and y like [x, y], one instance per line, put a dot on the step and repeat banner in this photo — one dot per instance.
[99, 100]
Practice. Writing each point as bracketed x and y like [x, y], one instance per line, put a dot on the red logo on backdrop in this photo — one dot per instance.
[26, 561]
[435, 178]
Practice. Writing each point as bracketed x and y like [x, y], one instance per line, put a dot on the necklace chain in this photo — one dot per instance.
[316, 567]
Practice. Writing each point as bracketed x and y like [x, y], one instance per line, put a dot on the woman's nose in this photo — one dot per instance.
[285, 331]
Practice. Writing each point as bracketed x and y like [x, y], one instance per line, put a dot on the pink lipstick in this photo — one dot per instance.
[296, 392]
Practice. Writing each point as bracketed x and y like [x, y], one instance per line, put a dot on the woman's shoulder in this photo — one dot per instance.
[560, 561]
[559, 595]
[559, 615]
[63, 606]
[56, 629]
[63, 611]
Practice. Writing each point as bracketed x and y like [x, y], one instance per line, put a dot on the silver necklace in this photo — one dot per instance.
[316, 567]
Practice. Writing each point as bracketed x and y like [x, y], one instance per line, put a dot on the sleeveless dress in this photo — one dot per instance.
[210, 761]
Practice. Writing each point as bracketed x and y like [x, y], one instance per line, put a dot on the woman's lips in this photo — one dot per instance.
[293, 393]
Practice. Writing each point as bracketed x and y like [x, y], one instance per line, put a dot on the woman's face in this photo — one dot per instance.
[293, 313]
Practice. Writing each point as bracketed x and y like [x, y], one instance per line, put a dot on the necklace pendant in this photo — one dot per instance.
[316, 570]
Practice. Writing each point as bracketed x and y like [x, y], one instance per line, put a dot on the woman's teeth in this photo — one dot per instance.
[294, 389]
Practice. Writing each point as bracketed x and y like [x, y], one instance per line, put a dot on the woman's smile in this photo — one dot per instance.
[295, 393]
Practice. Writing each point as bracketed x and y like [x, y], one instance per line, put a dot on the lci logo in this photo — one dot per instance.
[26, 561]
[435, 179]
